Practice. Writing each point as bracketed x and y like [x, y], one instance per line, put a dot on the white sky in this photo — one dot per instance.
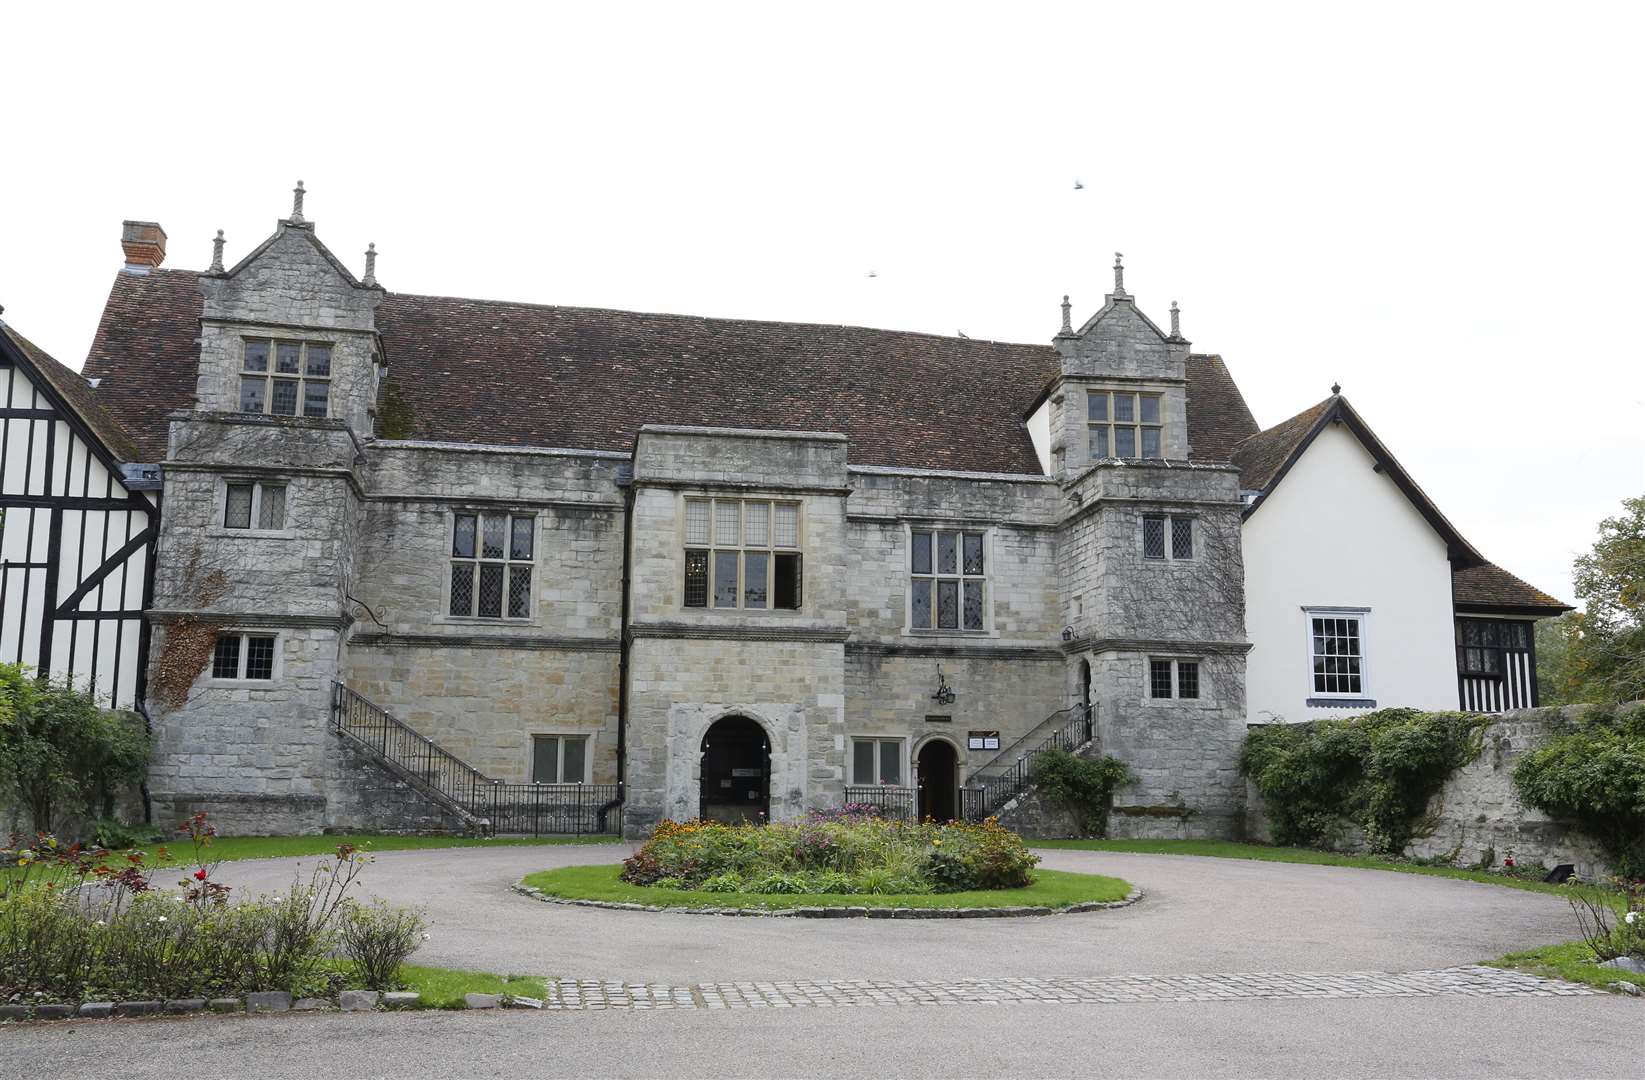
[1437, 205]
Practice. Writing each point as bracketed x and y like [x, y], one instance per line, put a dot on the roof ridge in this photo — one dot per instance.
[537, 306]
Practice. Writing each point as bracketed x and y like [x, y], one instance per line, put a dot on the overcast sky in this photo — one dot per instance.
[1436, 205]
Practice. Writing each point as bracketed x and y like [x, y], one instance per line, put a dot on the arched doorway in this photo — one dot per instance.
[939, 769]
[736, 772]
[1085, 686]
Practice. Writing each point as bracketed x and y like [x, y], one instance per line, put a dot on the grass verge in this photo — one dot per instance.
[1228, 849]
[1572, 961]
[443, 988]
[1051, 889]
[235, 848]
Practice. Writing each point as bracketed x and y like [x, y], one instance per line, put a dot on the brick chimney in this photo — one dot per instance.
[144, 243]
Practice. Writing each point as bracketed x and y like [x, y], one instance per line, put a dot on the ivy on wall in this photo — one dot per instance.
[1377, 771]
[1591, 771]
[1082, 786]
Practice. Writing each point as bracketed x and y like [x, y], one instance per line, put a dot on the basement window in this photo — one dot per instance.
[559, 759]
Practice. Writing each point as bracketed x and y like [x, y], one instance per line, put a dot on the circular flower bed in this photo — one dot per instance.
[839, 852]
[840, 858]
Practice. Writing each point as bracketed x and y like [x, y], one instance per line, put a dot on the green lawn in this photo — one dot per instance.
[443, 988]
[1572, 961]
[1228, 849]
[233, 848]
[1051, 889]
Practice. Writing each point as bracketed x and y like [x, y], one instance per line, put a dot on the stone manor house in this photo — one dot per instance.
[391, 561]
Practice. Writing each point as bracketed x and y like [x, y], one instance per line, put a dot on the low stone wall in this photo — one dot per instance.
[1478, 811]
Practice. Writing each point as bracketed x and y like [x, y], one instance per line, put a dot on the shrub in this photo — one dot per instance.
[1594, 775]
[1083, 786]
[379, 939]
[57, 745]
[1376, 771]
[856, 854]
[1594, 912]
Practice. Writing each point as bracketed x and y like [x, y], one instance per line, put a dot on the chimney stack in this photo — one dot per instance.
[144, 243]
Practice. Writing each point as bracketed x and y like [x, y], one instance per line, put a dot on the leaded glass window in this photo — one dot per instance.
[947, 582]
[1124, 424]
[492, 555]
[298, 384]
[256, 504]
[742, 553]
[243, 657]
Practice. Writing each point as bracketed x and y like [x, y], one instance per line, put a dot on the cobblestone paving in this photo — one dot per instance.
[835, 993]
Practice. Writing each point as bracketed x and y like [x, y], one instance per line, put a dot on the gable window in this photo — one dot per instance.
[254, 504]
[1336, 652]
[876, 761]
[1173, 678]
[559, 759]
[1155, 530]
[491, 559]
[947, 582]
[247, 657]
[1124, 424]
[742, 553]
[285, 378]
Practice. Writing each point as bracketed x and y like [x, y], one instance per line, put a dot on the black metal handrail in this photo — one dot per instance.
[994, 785]
[485, 803]
[888, 800]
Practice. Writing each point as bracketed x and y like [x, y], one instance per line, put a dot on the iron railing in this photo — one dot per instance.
[485, 804]
[888, 801]
[1009, 774]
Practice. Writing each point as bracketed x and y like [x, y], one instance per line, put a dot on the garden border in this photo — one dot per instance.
[859, 912]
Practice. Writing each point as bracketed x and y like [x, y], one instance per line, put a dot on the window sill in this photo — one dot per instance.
[1340, 703]
[242, 684]
[1179, 702]
[922, 633]
[224, 532]
[783, 613]
[480, 620]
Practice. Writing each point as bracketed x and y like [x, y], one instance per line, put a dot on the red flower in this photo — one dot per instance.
[200, 874]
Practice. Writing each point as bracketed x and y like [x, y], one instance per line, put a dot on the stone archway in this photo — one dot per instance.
[937, 764]
[735, 771]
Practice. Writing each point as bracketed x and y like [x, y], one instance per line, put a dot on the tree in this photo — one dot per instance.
[1598, 654]
[57, 745]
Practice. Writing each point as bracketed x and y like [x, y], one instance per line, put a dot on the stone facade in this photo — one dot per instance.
[604, 642]
[1478, 812]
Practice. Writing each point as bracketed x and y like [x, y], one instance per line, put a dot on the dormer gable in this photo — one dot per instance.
[290, 331]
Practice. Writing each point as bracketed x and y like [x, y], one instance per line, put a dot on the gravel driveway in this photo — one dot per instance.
[1199, 915]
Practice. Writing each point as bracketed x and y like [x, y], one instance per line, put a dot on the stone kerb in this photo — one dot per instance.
[847, 912]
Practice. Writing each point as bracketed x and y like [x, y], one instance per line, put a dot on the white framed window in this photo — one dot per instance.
[1336, 652]
[1167, 537]
[258, 505]
[560, 759]
[285, 378]
[1172, 678]
[1125, 424]
[245, 657]
[948, 581]
[877, 761]
[492, 556]
[743, 553]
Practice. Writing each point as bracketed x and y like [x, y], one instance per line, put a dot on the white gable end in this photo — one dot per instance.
[1335, 533]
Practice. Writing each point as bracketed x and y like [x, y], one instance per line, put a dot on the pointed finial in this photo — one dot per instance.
[1119, 274]
[1336, 389]
[1067, 315]
[217, 254]
[297, 194]
[1176, 320]
[370, 280]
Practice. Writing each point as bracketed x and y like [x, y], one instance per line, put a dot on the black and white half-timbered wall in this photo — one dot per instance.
[78, 523]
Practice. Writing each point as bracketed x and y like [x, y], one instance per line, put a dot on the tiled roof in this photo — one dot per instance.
[146, 353]
[1262, 455]
[529, 375]
[1489, 587]
[1218, 418]
[78, 394]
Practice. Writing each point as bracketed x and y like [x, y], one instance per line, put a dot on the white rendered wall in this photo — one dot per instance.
[1334, 533]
